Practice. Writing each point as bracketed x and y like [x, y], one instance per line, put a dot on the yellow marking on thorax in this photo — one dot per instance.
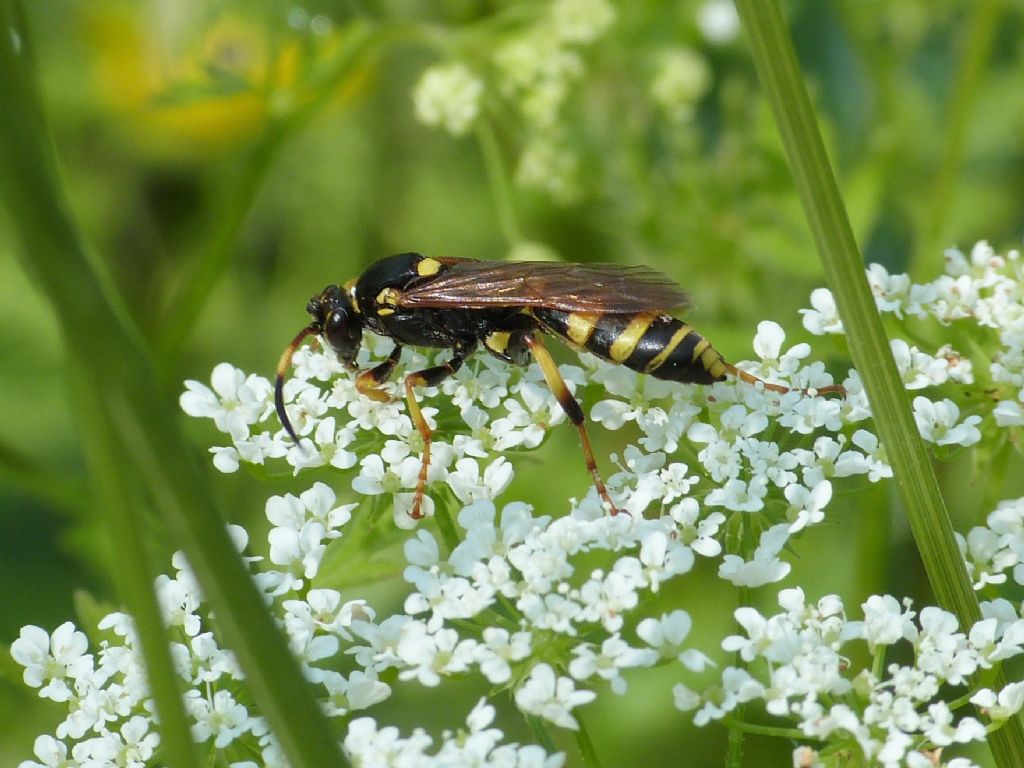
[626, 341]
[386, 302]
[581, 326]
[498, 341]
[387, 298]
[677, 338]
[428, 267]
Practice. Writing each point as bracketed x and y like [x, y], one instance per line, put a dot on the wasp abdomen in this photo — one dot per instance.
[647, 342]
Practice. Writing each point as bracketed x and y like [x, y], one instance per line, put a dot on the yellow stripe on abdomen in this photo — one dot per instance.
[580, 325]
[626, 341]
[677, 338]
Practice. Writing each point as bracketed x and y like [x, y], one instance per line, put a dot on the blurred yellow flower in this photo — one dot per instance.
[184, 83]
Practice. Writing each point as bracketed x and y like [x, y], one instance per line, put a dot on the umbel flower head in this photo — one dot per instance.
[550, 609]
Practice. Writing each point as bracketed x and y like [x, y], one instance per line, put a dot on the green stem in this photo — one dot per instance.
[736, 725]
[501, 190]
[141, 461]
[30, 178]
[986, 14]
[586, 746]
[775, 60]
[735, 743]
[996, 479]
[184, 310]
[541, 732]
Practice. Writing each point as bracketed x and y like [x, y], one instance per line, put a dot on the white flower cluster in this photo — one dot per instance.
[534, 67]
[534, 59]
[110, 719]
[978, 303]
[798, 663]
[996, 547]
[549, 609]
[704, 455]
[681, 78]
[448, 95]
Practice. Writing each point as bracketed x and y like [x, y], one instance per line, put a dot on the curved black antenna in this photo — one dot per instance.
[282, 368]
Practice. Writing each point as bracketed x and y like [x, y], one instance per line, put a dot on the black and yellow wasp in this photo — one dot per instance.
[619, 313]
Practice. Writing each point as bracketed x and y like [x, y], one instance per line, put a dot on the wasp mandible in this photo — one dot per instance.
[619, 313]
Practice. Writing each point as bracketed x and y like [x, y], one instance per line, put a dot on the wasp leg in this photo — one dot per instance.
[429, 377]
[572, 409]
[367, 382]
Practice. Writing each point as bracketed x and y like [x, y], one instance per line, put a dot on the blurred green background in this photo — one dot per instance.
[226, 160]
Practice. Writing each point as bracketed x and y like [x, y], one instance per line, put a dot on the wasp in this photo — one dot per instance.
[620, 313]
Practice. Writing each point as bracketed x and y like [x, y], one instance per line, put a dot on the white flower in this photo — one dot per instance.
[718, 21]
[823, 318]
[1002, 706]
[448, 95]
[886, 621]
[807, 506]
[765, 568]
[614, 656]
[739, 496]
[300, 551]
[234, 403]
[681, 78]
[663, 558]
[468, 484]
[581, 21]
[737, 688]
[52, 753]
[699, 536]
[553, 698]
[432, 654]
[937, 423]
[51, 662]
[918, 369]
[548, 164]
[222, 718]
[498, 649]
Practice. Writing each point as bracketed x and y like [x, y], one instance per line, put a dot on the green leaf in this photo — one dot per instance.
[138, 457]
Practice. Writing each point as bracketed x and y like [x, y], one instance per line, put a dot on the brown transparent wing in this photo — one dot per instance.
[616, 288]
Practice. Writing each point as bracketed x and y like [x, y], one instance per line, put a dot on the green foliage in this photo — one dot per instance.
[227, 161]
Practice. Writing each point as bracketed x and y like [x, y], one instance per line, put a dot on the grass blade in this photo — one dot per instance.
[775, 60]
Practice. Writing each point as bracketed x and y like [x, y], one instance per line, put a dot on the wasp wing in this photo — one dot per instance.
[614, 288]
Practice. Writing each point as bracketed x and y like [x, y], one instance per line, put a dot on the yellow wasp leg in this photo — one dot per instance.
[572, 409]
[428, 378]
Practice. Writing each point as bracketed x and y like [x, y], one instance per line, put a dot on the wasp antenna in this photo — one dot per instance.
[749, 378]
[282, 368]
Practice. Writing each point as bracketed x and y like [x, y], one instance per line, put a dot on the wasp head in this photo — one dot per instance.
[338, 322]
[335, 319]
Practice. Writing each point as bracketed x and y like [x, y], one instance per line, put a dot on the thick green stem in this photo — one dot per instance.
[775, 59]
[501, 190]
[130, 430]
[978, 47]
